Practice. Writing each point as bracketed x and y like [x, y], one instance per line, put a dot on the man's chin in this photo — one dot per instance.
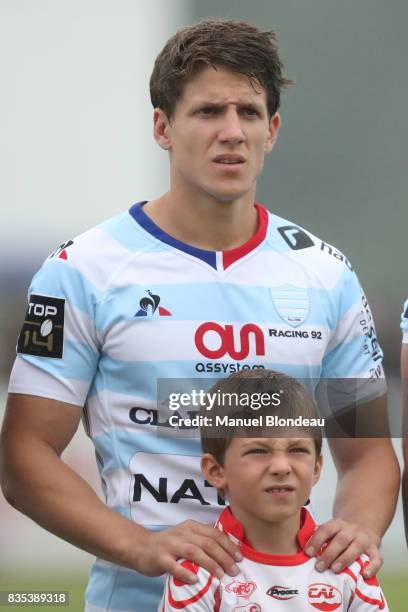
[230, 196]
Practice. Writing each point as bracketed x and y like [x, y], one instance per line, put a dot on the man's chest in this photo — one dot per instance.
[216, 328]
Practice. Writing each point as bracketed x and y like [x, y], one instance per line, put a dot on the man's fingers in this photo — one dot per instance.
[376, 561]
[179, 572]
[323, 534]
[221, 539]
[215, 561]
[338, 560]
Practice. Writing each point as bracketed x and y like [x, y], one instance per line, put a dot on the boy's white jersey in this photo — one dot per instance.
[274, 582]
[125, 304]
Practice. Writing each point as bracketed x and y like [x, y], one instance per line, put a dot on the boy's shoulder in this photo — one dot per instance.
[366, 590]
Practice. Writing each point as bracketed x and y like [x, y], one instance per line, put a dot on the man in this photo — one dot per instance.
[199, 282]
[404, 376]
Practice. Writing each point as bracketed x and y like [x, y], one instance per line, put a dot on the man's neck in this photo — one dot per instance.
[205, 222]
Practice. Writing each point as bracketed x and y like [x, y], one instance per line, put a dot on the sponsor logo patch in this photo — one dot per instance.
[61, 252]
[291, 303]
[324, 596]
[42, 334]
[251, 607]
[241, 589]
[295, 238]
[282, 592]
[150, 306]
[215, 341]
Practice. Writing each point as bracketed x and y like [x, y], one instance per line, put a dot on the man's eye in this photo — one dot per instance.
[250, 111]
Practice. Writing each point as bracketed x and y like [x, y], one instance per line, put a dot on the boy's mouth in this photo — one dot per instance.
[280, 490]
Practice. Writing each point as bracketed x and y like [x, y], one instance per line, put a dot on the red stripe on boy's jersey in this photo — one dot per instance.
[375, 602]
[183, 603]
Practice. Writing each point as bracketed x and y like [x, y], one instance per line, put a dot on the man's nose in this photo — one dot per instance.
[231, 130]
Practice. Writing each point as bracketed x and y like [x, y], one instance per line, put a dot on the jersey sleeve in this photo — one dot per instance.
[353, 357]
[404, 323]
[58, 347]
[367, 596]
[203, 596]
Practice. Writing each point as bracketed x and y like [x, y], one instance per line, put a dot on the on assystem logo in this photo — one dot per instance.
[226, 339]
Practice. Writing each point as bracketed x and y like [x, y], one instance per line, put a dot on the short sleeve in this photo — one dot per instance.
[368, 596]
[203, 596]
[353, 352]
[58, 346]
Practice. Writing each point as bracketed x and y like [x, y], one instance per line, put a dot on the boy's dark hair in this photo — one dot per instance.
[295, 402]
[236, 45]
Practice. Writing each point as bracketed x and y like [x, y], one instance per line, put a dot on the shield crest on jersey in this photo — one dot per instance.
[291, 303]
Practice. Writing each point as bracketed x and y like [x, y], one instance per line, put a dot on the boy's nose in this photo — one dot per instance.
[280, 465]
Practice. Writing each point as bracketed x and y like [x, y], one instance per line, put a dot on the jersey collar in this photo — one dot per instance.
[224, 259]
[230, 525]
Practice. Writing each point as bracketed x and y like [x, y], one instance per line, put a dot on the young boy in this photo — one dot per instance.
[267, 482]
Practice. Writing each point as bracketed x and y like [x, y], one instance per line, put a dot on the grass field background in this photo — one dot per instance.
[395, 587]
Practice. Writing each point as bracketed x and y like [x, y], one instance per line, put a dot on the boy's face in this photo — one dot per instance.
[219, 134]
[266, 479]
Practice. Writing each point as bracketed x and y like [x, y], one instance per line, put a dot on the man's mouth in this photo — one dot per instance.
[229, 159]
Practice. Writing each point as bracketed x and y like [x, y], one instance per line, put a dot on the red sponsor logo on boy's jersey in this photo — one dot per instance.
[324, 596]
[241, 589]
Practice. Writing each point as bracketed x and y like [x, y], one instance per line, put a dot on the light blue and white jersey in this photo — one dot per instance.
[404, 323]
[125, 304]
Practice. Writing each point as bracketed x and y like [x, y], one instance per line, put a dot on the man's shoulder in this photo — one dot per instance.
[97, 252]
[303, 246]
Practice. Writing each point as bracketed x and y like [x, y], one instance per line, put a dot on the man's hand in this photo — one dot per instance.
[199, 543]
[344, 543]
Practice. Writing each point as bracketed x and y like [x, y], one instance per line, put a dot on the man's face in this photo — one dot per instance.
[269, 479]
[219, 134]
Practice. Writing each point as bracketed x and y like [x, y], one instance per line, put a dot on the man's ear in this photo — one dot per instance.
[273, 131]
[317, 469]
[161, 129]
[213, 471]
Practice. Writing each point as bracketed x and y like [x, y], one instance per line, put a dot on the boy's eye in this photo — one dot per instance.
[299, 449]
[255, 451]
[208, 110]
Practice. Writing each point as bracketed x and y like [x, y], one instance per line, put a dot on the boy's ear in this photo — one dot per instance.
[213, 471]
[317, 469]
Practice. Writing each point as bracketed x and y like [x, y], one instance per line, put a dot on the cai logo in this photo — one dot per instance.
[324, 596]
[296, 238]
[214, 340]
[150, 305]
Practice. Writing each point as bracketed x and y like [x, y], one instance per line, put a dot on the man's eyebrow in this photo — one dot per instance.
[219, 105]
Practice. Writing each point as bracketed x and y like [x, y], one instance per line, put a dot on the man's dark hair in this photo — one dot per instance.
[236, 45]
[295, 402]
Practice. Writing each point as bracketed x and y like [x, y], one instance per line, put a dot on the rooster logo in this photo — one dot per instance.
[149, 305]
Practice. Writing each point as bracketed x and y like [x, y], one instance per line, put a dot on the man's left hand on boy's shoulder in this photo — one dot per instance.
[346, 542]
